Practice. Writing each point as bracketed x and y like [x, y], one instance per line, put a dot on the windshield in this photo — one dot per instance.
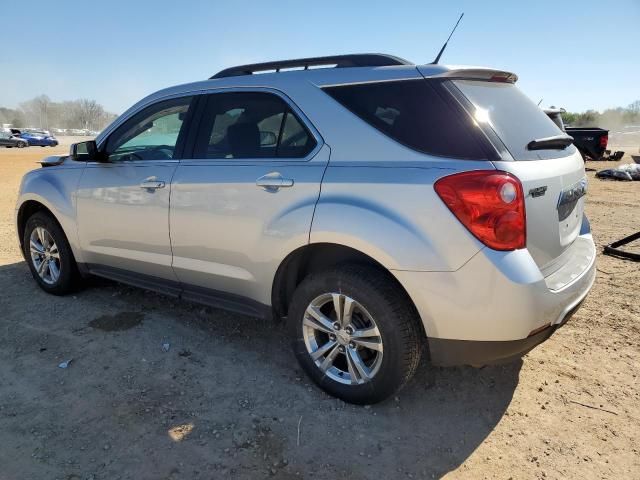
[514, 118]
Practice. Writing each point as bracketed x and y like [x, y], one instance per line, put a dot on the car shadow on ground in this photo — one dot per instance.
[229, 381]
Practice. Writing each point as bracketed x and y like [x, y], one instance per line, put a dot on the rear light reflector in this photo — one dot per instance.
[604, 140]
[490, 204]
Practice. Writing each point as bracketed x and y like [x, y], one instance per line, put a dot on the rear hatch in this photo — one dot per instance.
[551, 170]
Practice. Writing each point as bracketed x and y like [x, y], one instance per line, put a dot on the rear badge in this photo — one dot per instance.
[538, 191]
[569, 198]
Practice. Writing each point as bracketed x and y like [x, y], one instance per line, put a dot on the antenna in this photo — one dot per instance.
[435, 62]
[540, 101]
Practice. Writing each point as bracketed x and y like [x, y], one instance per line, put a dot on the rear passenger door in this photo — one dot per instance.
[246, 197]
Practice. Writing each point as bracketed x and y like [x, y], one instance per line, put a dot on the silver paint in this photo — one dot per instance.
[228, 224]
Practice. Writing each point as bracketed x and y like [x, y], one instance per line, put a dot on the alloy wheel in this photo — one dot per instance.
[45, 255]
[342, 339]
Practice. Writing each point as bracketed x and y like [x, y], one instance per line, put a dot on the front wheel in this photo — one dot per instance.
[49, 255]
[355, 333]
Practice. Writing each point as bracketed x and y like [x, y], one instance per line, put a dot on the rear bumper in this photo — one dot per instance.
[446, 352]
[498, 305]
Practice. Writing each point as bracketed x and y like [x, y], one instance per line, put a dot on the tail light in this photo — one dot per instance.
[604, 140]
[490, 204]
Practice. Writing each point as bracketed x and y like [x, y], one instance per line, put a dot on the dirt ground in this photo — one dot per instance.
[227, 400]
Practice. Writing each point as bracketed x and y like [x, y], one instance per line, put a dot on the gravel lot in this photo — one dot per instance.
[227, 400]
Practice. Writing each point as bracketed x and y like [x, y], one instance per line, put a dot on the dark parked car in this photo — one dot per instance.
[39, 139]
[8, 140]
[591, 142]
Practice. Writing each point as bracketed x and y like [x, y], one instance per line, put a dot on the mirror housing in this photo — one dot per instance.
[268, 139]
[85, 152]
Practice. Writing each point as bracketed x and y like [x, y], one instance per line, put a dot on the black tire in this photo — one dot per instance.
[67, 280]
[394, 315]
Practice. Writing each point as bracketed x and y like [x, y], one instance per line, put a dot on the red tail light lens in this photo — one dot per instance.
[490, 204]
[604, 140]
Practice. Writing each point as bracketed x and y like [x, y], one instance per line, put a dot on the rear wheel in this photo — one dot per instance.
[20, 145]
[49, 255]
[355, 333]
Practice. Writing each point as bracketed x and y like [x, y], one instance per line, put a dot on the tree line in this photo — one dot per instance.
[612, 118]
[42, 112]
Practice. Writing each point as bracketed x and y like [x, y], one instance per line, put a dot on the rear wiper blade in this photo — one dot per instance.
[557, 142]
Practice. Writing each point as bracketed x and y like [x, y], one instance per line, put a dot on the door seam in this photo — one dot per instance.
[175, 170]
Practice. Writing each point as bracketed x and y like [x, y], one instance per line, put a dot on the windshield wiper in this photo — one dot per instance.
[557, 142]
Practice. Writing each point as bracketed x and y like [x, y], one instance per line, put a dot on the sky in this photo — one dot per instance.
[575, 54]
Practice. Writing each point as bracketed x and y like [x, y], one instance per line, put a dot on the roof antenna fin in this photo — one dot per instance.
[435, 62]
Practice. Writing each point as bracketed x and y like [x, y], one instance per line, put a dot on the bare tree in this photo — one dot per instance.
[78, 114]
[89, 113]
[42, 103]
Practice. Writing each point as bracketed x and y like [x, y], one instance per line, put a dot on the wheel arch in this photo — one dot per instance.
[317, 257]
[26, 210]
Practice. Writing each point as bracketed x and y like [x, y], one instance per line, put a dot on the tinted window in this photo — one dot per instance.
[414, 113]
[151, 134]
[513, 116]
[251, 125]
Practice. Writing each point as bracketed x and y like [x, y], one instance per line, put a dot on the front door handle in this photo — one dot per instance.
[273, 181]
[152, 183]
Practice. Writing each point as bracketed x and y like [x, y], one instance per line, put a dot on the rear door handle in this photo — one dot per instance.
[273, 181]
[152, 183]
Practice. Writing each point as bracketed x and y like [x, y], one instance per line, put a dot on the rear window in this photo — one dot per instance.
[415, 114]
[513, 116]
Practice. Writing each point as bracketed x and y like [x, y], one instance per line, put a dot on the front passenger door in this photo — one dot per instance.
[123, 202]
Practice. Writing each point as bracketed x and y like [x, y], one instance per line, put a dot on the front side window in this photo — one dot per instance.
[251, 125]
[151, 134]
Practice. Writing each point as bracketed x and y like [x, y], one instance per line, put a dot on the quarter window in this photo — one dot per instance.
[415, 114]
[251, 125]
[151, 134]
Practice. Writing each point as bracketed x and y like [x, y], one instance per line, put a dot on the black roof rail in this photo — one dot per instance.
[340, 61]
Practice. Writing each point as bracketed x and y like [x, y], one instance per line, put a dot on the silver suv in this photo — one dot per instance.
[387, 210]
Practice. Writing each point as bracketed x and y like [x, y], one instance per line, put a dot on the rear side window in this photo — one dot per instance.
[513, 116]
[251, 125]
[415, 114]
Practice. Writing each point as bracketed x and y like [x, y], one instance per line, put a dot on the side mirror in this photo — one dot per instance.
[268, 139]
[85, 152]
